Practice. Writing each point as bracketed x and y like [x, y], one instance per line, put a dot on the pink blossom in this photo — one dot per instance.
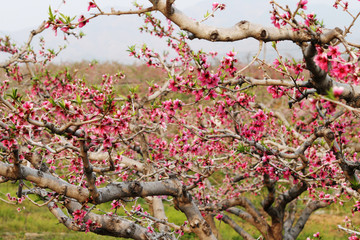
[216, 5]
[340, 70]
[88, 225]
[275, 20]
[82, 21]
[231, 54]
[302, 4]
[79, 215]
[322, 61]
[309, 19]
[276, 63]
[91, 5]
[260, 115]
[212, 53]
[219, 217]
[211, 95]
[334, 51]
[65, 29]
[338, 91]
[276, 91]
[317, 234]
[28, 106]
[115, 204]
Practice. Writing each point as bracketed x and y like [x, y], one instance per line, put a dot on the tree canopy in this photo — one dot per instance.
[214, 138]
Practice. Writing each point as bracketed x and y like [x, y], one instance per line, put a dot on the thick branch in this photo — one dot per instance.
[239, 31]
[88, 170]
[197, 223]
[291, 194]
[107, 225]
[348, 168]
[111, 192]
[252, 214]
[300, 224]
[237, 228]
[323, 83]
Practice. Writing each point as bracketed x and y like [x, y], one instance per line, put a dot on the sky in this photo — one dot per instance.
[107, 38]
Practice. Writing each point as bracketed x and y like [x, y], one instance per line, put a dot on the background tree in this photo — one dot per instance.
[204, 139]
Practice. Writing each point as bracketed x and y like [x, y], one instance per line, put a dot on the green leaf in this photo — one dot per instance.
[52, 51]
[330, 94]
[62, 104]
[273, 44]
[51, 15]
[131, 48]
[78, 99]
[206, 14]
[65, 18]
[62, 20]
[51, 100]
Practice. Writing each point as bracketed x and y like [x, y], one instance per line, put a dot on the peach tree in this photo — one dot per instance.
[209, 139]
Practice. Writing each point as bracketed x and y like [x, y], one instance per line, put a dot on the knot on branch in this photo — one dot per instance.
[185, 196]
[80, 133]
[172, 176]
[169, 9]
[330, 135]
[182, 199]
[263, 34]
[135, 188]
[214, 35]
[206, 229]
[40, 173]
[241, 23]
[131, 230]
[195, 223]
[191, 36]
[319, 132]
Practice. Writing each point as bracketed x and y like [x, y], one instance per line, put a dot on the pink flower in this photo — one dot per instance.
[333, 51]
[115, 204]
[275, 20]
[276, 91]
[213, 54]
[302, 4]
[322, 61]
[218, 5]
[107, 142]
[340, 70]
[198, 94]
[88, 224]
[231, 54]
[91, 5]
[260, 115]
[82, 21]
[338, 91]
[211, 95]
[28, 106]
[219, 217]
[309, 19]
[79, 215]
[65, 29]
[215, 5]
